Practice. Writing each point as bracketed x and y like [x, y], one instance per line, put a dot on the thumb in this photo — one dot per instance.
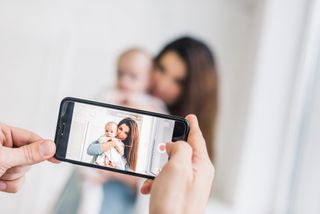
[179, 151]
[29, 154]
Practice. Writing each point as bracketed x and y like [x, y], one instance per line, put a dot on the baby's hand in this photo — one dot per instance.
[103, 139]
[119, 146]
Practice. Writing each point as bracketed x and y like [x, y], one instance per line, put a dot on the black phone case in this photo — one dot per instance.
[72, 99]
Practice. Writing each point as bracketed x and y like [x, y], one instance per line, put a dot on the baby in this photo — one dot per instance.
[112, 157]
[134, 69]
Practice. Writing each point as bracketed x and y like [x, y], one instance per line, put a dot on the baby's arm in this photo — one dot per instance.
[119, 146]
[103, 139]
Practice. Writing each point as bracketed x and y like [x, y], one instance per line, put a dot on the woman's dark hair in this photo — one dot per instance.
[199, 93]
[131, 142]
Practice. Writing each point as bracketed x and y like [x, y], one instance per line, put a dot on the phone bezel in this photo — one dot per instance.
[95, 103]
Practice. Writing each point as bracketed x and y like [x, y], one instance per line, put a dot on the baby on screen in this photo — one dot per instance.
[112, 157]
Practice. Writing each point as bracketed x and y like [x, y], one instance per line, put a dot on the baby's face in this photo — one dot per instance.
[134, 73]
[111, 130]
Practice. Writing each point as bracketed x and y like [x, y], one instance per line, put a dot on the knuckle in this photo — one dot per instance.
[2, 169]
[28, 153]
[2, 156]
[183, 145]
[188, 148]
[180, 168]
[3, 162]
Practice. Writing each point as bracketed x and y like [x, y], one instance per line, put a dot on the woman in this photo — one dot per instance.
[185, 78]
[128, 133]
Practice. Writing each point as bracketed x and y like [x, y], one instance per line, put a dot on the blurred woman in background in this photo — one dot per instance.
[185, 78]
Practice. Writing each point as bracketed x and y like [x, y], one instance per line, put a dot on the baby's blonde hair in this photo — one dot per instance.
[109, 124]
[133, 51]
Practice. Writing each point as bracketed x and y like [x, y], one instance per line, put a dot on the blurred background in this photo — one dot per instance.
[267, 144]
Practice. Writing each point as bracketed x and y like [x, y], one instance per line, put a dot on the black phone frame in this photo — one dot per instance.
[62, 126]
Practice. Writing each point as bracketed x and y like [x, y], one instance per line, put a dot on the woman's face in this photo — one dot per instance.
[168, 77]
[122, 132]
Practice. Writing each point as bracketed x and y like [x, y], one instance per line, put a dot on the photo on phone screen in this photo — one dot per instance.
[116, 138]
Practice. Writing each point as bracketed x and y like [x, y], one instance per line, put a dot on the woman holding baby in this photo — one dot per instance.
[124, 139]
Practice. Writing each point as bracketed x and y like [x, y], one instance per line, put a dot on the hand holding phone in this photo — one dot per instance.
[115, 138]
[19, 149]
[185, 182]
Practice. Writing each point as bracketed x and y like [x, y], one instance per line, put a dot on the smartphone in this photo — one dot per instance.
[115, 138]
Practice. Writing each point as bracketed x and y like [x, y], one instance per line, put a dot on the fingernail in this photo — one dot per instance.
[45, 149]
[3, 185]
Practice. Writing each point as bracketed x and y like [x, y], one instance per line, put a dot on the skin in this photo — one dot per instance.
[183, 185]
[168, 78]
[134, 71]
[104, 176]
[111, 130]
[123, 131]
[19, 149]
[122, 134]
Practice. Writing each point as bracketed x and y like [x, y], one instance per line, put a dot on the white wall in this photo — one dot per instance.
[52, 49]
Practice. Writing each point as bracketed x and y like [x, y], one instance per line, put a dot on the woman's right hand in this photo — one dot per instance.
[184, 184]
[106, 146]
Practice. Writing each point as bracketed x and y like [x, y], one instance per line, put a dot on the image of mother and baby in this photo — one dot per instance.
[118, 146]
[179, 80]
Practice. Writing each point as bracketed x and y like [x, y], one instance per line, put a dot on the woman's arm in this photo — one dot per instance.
[94, 148]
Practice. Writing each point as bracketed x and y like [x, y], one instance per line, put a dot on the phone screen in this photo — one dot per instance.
[116, 138]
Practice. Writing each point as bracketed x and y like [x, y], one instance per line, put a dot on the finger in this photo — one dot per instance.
[53, 160]
[146, 187]
[22, 137]
[11, 186]
[195, 137]
[15, 173]
[18, 169]
[2, 137]
[179, 151]
[28, 154]
[5, 135]
[12, 136]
